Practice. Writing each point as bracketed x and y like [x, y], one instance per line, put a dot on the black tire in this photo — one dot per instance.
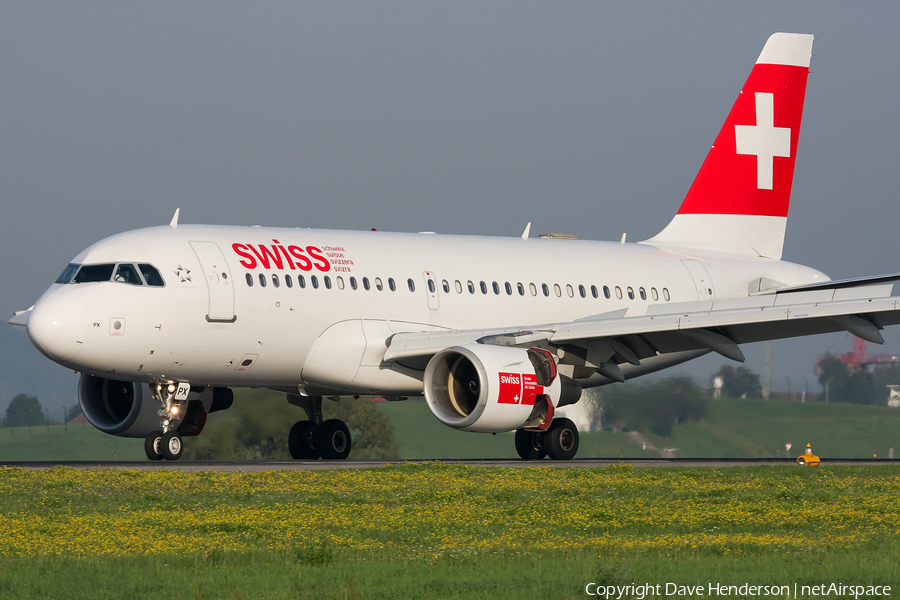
[530, 445]
[153, 445]
[561, 440]
[300, 441]
[171, 445]
[333, 440]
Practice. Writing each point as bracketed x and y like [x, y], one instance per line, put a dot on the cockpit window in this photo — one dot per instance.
[90, 273]
[68, 273]
[151, 275]
[126, 273]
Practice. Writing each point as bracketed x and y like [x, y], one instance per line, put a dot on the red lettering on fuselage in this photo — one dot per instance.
[277, 256]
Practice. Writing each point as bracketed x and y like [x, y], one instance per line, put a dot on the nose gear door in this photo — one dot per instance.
[218, 282]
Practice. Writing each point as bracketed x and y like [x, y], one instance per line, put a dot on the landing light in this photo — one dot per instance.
[174, 410]
[171, 388]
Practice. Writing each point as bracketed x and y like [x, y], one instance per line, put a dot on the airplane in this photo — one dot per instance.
[497, 333]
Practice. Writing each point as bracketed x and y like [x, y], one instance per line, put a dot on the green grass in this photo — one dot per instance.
[66, 442]
[732, 429]
[437, 531]
[758, 428]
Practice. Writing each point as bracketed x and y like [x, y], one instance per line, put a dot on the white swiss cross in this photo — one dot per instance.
[763, 139]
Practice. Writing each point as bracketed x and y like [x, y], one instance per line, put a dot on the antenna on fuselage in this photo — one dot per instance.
[527, 231]
[174, 222]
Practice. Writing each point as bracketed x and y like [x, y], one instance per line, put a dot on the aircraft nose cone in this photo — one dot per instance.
[58, 326]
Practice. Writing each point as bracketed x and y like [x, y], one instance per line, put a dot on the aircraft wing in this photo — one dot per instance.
[863, 309]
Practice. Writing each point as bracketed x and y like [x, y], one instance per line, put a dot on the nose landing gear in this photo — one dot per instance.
[315, 438]
[173, 400]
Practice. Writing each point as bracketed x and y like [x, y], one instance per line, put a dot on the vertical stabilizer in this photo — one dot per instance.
[739, 199]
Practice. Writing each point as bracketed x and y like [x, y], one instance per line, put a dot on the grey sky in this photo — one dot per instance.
[588, 118]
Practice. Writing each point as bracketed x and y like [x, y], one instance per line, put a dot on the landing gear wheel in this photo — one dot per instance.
[300, 441]
[153, 445]
[530, 445]
[332, 439]
[561, 440]
[171, 445]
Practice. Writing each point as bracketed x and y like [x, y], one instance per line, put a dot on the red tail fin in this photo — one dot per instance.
[739, 200]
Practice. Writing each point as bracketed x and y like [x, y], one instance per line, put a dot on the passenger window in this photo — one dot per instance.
[151, 275]
[520, 288]
[654, 294]
[594, 291]
[353, 283]
[327, 280]
[249, 279]
[533, 289]
[432, 289]
[471, 287]
[67, 274]
[545, 289]
[666, 294]
[314, 281]
[557, 290]
[412, 286]
[94, 273]
[378, 285]
[643, 293]
[483, 288]
[301, 281]
[340, 282]
[570, 291]
[262, 280]
[288, 281]
[446, 285]
[127, 274]
[581, 291]
[458, 286]
[496, 288]
[618, 292]
[391, 284]
[275, 280]
[366, 283]
[630, 293]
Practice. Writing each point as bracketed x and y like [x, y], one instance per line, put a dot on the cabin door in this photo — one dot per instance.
[702, 280]
[218, 282]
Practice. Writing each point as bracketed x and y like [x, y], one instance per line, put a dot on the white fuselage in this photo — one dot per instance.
[207, 321]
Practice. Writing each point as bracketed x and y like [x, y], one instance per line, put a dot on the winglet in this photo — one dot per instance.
[527, 231]
[174, 223]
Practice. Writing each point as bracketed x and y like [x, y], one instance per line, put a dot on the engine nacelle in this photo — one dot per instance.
[486, 388]
[127, 409]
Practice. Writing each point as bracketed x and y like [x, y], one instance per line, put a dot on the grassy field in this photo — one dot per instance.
[757, 428]
[733, 429]
[434, 531]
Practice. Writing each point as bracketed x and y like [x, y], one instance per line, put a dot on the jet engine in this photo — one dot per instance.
[128, 409]
[487, 388]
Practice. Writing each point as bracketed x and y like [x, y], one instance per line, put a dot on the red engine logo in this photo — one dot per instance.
[517, 388]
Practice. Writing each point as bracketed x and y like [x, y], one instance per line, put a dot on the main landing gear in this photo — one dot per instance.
[559, 442]
[167, 444]
[317, 438]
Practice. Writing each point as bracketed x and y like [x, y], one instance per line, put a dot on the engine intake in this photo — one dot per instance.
[486, 388]
[127, 409]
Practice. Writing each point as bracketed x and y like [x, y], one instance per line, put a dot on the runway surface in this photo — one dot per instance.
[320, 465]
